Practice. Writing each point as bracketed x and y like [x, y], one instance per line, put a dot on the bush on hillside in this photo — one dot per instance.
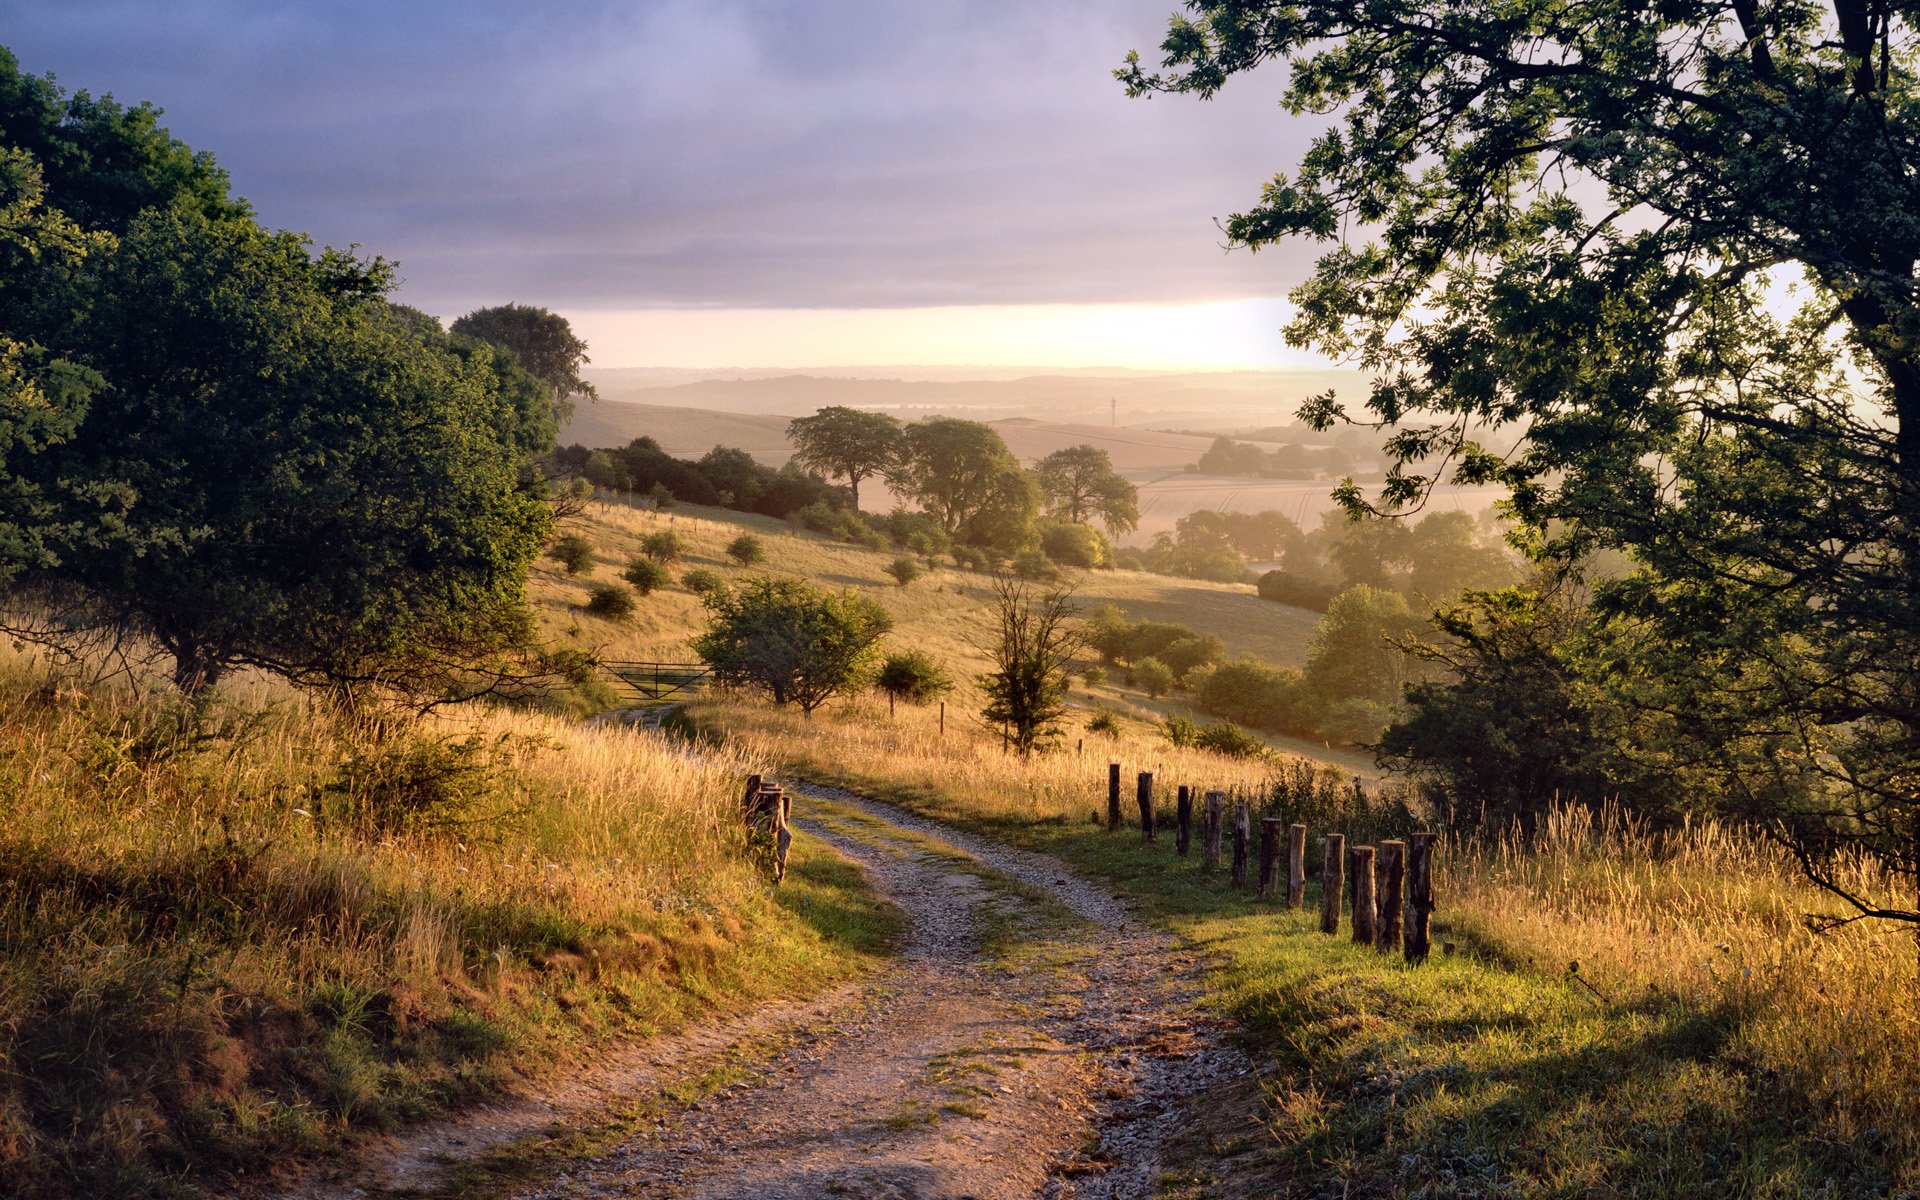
[1226, 738]
[645, 575]
[913, 677]
[972, 558]
[1035, 565]
[611, 601]
[573, 552]
[703, 583]
[665, 546]
[1105, 722]
[1154, 677]
[747, 550]
[1283, 587]
[903, 570]
[795, 642]
[1184, 655]
[1252, 693]
[1074, 545]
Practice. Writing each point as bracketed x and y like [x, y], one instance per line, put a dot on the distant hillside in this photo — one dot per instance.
[1156, 462]
[1221, 400]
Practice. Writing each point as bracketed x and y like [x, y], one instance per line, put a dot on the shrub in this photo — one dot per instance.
[1180, 730]
[1224, 737]
[662, 496]
[665, 546]
[611, 601]
[973, 558]
[645, 575]
[913, 677]
[903, 570]
[1153, 676]
[1187, 654]
[797, 643]
[1094, 676]
[1283, 588]
[703, 583]
[1033, 564]
[573, 552]
[1104, 721]
[1252, 693]
[1197, 678]
[747, 550]
[1074, 545]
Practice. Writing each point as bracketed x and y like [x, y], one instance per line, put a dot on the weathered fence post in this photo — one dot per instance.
[1210, 831]
[1393, 866]
[1113, 797]
[1240, 817]
[1352, 878]
[1269, 855]
[1145, 797]
[1419, 895]
[768, 810]
[1330, 882]
[1183, 820]
[1296, 865]
[1363, 910]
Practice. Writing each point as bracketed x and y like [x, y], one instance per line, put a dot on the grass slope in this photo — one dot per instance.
[232, 936]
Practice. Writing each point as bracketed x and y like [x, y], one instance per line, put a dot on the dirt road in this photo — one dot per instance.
[1032, 1040]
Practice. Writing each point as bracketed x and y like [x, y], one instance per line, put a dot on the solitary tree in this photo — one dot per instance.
[1582, 216]
[798, 644]
[545, 344]
[846, 443]
[1034, 640]
[1080, 484]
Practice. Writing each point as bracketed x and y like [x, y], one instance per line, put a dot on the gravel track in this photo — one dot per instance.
[1032, 1040]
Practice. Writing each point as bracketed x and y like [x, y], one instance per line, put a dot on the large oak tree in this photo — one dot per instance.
[1675, 246]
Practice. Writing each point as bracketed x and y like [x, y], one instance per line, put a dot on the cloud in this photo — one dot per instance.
[723, 153]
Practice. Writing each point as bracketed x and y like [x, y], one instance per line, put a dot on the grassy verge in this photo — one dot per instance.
[234, 935]
[1706, 1045]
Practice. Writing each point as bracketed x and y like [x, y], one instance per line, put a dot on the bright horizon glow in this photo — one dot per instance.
[1222, 335]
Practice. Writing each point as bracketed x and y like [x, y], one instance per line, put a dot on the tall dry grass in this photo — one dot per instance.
[1722, 921]
[231, 933]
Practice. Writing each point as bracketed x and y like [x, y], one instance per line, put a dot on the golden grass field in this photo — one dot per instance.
[232, 936]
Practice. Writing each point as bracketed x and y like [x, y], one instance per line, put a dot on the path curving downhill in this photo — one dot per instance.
[1032, 1040]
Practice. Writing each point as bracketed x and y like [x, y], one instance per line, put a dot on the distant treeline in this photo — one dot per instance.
[1294, 461]
[723, 477]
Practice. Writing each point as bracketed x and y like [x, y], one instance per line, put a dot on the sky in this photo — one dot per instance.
[748, 183]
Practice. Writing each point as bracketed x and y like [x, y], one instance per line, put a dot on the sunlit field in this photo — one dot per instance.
[234, 936]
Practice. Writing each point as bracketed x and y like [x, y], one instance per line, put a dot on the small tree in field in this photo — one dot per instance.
[573, 552]
[1035, 639]
[747, 550]
[913, 677]
[645, 575]
[797, 643]
[664, 546]
[903, 570]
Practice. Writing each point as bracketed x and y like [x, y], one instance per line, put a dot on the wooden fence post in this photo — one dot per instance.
[1330, 882]
[1363, 911]
[1419, 895]
[1269, 856]
[1393, 866]
[1296, 865]
[1145, 797]
[1113, 797]
[1210, 831]
[1183, 820]
[1240, 816]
